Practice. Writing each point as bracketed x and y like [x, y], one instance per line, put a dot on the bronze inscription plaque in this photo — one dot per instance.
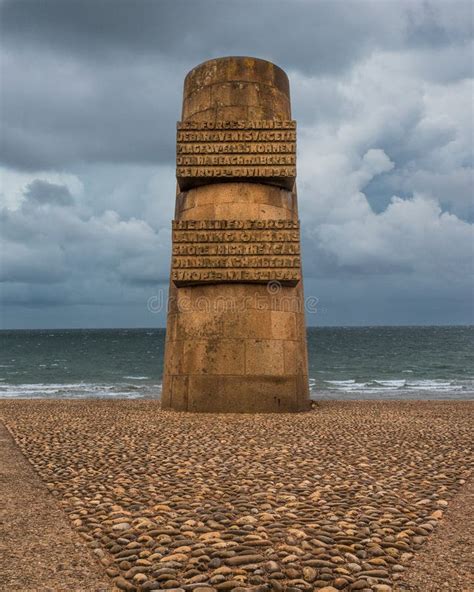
[262, 151]
[249, 251]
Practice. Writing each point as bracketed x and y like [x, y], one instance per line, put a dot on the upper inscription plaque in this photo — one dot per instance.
[260, 151]
[249, 251]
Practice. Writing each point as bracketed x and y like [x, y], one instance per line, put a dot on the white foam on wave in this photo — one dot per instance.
[396, 386]
[80, 390]
[347, 385]
[136, 377]
[391, 383]
[433, 385]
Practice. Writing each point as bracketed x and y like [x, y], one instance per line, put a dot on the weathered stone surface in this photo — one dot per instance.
[235, 338]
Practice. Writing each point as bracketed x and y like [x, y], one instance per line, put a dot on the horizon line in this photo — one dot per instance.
[383, 325]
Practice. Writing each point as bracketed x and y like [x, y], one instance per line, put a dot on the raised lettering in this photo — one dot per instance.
[210, 151]
[235, 251]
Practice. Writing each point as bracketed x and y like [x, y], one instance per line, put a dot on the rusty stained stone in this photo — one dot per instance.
[235, 339]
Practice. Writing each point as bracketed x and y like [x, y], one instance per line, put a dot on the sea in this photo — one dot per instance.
[344, 363]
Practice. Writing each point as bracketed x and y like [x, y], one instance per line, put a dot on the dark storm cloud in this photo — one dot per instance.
[100, 80]
[44, 192]
[58, 109]
[293, 33]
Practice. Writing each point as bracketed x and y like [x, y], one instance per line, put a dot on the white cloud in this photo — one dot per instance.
[401, 134]
[411, 235]
[46, 243]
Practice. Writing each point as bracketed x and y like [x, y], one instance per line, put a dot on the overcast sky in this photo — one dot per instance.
[91, 92]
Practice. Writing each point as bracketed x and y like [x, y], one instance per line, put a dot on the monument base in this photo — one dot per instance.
[236, 394]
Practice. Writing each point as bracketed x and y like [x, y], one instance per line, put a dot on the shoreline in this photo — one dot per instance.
[323, 395]
[342, 496]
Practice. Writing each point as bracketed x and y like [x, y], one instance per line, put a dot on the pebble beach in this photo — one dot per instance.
[343, 497]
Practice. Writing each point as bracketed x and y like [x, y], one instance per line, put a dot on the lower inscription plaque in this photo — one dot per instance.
[250, 251]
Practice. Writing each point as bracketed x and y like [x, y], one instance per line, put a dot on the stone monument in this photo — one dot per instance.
[235, 336]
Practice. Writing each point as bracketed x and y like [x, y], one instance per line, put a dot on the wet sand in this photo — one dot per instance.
[341, 498]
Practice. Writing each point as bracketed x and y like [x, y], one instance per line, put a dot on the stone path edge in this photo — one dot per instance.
[53, 559]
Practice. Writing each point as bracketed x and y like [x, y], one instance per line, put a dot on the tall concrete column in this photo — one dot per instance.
[235, 337]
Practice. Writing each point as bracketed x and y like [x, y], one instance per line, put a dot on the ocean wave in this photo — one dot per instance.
[391, 383]
[349, 388]
[80, 390]
[347, 385]
[399, 385]
[136, 377]
[433, 385]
